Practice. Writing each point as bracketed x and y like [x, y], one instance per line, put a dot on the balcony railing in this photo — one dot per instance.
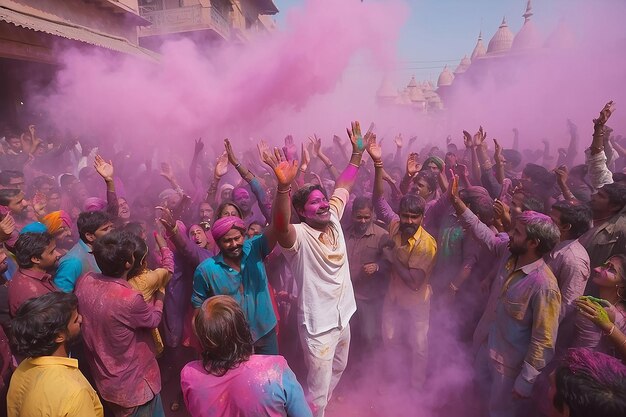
[183, 19]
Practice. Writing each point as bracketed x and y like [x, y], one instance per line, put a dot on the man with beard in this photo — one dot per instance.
[37, 256]
[316, 250]
[524, 307]
[364, 241]
[411, 254]
[14, 201]
[48, 382]
[238, 271]
[59, 225]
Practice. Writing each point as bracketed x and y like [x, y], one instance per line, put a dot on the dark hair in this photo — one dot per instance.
[532, 203]
[361, 203]
[7, 194]
[67, 179]
[541, 228]
[616, 193]
[139, 254]
[38, 322]
[7, 175]
[90, 221]
[430, 178]
[579, 171]
[30, 245]
[300, 197]
[412, 203]
[512, 156]
[590, 384]
[54, 190]
[136, 228]
[224, 335]
[228, 203]
[113, 250]
[578, 216]
[540, 176]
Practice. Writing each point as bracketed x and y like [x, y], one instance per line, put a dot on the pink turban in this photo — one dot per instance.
[223, 226]
[94, 204]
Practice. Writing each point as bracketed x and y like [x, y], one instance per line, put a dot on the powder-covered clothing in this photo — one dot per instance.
[322, 272]
[262, 386]
[119, 346]
[365, 249]
[523, 309]
[28, 283]
[598, 171]
[605, 240]
[589, 335]
[248, 286]
[78, 261]
[51, 386]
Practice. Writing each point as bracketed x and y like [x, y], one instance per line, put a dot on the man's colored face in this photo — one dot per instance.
[206, 212]
[422, 189]
[361, 219]
[228, 210]
[15, 144]
[124, 209]
[16, 183]
[410, 222]
[54, 202]
[3, 262]
[431, 166]
[73, 327]
[231, 244]
[316, 209]
[518, 239]
[50, 257]
[104, 229]
[197, 235]
[18, 204]
[253, 230]
[241, 197]
[600, 201]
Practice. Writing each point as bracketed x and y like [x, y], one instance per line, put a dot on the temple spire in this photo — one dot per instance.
[529, 12]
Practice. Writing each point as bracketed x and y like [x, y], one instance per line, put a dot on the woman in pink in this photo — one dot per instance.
[230, 381]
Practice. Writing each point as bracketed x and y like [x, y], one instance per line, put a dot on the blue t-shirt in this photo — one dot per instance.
[248, 287]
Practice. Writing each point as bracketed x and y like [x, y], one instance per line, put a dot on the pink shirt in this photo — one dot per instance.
[26, 284]
[262, 386]
[119, 346]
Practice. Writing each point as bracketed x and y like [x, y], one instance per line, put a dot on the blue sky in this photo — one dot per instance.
[440, 32]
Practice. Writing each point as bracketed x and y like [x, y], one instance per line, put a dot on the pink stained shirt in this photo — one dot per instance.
[26, 284]
[119, 346]
[262, 386]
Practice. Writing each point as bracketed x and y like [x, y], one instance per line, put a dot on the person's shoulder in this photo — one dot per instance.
[192, 368]
[268, 361]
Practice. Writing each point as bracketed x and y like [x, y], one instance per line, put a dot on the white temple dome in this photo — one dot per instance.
[445, 78]
[528, 37]
[463, 65]
[479, 49]
[501, 40]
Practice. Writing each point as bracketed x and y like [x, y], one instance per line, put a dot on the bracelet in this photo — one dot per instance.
[357, 153]
[453, 287]
[329, 166]
[286, 191]
[378, 164]
[354, 165]
[303, 170]
[238, 165]
[610, 332]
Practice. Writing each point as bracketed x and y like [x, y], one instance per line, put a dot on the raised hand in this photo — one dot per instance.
[221, 165]
[448, 139]
[166, 171]
[605, 114]
[467, 139]
[460, 170]
[497, 154]
[316, 145]
[289, 149]
[595, 310]
[263, 148]
[501, 210]
[398, 140]
[356, 138]
[229, 153]
[306, 159]
[561, 174]
[166, 219]
[453, 188]
[284, 170]
[104, 168]
[39, 203]
[198, 147]
[374, 149]
[7, 226]
[412, 164]
[160, 240]
[412, 140]
[32, 131]
[479, 137]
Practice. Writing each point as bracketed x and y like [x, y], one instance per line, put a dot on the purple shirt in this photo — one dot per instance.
[119, 346]
[28, 283]
[262, 386]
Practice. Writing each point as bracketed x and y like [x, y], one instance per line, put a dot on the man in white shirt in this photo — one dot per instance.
[316, 251]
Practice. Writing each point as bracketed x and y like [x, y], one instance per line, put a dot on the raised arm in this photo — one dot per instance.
[221, 168]
[412, 167]
[317, 152]
[285, 171]
[105, 169]
[471, 147]
[599, 173]
[382, 208]
[359, 143]
[193, 167]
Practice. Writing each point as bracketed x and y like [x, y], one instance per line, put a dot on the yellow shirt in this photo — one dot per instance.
[418, 253]
[51, 386]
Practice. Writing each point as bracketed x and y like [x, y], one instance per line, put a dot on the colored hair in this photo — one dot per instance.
[542, 228]
[578, 216]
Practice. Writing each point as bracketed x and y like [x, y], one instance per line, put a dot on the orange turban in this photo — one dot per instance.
[56, 220]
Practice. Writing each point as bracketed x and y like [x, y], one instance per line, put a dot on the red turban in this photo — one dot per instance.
[223, 226]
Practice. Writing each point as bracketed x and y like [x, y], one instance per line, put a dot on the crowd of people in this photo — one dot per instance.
[282, 272]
